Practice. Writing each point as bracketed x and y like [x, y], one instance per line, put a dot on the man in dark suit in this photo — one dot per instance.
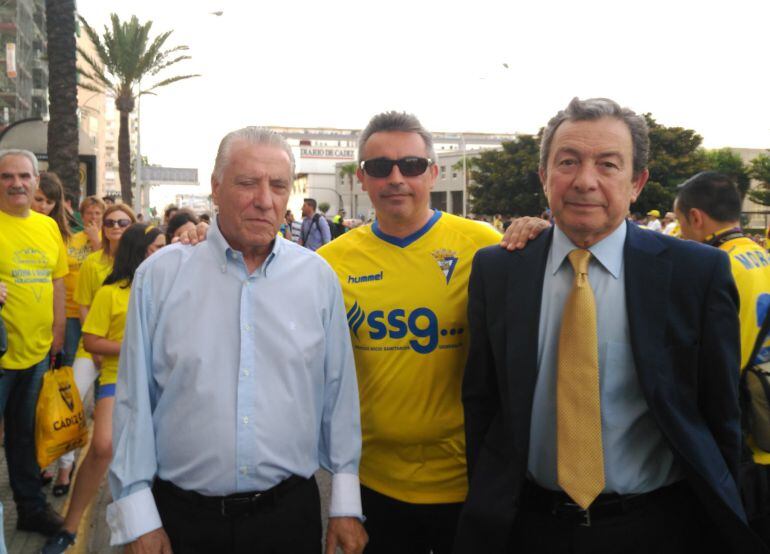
[600, 392]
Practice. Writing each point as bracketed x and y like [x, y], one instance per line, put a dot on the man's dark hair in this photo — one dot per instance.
[712, 192]
[181, 217]
[597, 108]
[312, 203]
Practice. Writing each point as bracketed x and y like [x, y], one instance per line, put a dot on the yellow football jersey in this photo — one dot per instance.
[751, 271]
[406, 302]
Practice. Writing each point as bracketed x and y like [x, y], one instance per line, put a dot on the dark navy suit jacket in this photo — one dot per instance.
[682, 310]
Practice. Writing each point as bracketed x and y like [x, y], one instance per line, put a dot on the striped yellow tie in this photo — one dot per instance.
[580, 462]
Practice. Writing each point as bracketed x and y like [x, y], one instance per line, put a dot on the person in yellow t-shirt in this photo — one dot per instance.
[404, 280]
[102, 336]
[708, 207]
[33, 263]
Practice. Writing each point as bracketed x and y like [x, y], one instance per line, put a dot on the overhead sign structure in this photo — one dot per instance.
[155, 175]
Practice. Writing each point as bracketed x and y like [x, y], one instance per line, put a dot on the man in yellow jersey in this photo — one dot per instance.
[404, 279]
[708, 207]
[33, 262]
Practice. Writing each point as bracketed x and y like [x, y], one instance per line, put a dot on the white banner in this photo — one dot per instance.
[10, 59]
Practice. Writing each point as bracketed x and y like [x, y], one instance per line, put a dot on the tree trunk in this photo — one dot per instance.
[125, 106]
[63, 93]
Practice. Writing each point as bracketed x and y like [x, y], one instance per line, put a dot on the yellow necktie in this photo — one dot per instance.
[580, 463]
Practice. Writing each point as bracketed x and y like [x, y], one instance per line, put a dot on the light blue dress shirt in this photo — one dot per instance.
[231, 382]
[636, 457]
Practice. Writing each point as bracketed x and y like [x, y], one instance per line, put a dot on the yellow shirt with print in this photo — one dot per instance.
[93, 272]
[107, 319]
[78, 249]
[32, 254]
[406, 302]
[751, 271]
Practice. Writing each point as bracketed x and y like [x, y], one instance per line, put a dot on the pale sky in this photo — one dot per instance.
[335, 63]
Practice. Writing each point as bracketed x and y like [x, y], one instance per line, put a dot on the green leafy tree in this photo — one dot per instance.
[63, 93]
[126, 56]
[675, 156]
[759, 169]
[506, 181]
[731, 164]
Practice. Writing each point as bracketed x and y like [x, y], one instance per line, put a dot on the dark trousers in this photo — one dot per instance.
[19, 390]
[400, 527]
[287, 524]
[672, 523]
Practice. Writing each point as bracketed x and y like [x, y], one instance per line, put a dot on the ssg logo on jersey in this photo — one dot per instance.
[446, 260]
[420, 326]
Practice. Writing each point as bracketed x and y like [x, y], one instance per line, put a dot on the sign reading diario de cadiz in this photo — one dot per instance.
[336, 153]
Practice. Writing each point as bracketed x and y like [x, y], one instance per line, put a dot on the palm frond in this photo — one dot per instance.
[168, 81]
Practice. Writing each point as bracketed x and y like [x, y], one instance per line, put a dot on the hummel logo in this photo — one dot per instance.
[365, 278]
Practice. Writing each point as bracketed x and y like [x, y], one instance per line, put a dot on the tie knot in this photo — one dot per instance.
[579, 259]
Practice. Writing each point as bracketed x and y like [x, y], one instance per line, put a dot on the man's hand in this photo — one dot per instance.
[94, 234]
[347, 533]
[521, 231]
[154, 542]
[194, 236]
[3, 293]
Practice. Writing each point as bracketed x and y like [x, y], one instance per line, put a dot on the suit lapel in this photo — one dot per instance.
[524, 296]
[647, 281]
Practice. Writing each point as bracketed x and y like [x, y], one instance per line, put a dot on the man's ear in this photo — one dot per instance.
[360, 175]
[638, 184]
[695, 218]
[215, 190]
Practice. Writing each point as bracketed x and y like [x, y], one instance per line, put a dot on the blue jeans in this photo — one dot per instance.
[71, 340]
[19, 389]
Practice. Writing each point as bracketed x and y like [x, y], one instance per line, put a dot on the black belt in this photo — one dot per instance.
[557, 503]
[234, 504]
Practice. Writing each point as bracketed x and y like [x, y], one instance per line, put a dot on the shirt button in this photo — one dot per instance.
[247, 327]
[244, 470]
[246, 372]
[245, 420]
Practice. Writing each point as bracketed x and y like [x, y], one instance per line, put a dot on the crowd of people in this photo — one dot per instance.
[569, 386]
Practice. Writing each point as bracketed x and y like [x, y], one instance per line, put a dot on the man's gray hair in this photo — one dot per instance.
[396, 122]
[596, 108]
[250, 135]
[19, 152]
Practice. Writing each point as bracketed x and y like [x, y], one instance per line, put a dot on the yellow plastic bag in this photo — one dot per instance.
[60, 422]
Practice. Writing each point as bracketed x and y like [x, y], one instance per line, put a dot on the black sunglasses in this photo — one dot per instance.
[122, 223]
[411, 166]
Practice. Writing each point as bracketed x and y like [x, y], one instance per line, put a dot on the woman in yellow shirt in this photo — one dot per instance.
[102, 336]
[93, 270]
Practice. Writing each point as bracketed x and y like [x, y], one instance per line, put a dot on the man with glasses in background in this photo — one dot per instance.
[404, 280]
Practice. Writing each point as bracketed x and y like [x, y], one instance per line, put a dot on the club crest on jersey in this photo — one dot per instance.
[446, 260]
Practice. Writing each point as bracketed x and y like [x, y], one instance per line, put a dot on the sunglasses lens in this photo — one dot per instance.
[412, 167]
[380, 167]
[122, 223]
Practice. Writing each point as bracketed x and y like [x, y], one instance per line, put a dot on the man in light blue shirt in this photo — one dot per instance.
[233, 388]
[315, 230]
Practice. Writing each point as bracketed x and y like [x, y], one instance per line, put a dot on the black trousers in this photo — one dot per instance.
[673, 523]
[396, 527]
[291, 524]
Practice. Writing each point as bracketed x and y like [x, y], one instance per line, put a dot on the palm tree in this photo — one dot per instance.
[63, 93]
[349, 170]
[125, 57]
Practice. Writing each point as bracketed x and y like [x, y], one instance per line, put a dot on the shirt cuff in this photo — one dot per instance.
[132, 516]
[346, 496]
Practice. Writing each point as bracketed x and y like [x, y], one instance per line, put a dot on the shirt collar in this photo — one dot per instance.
[608, 251]
[225, 252]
